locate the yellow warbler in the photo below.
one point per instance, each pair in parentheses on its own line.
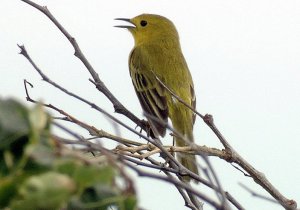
(157,56)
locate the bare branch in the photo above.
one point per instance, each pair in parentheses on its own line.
(176,182)
(137,149)
(182,169)
(94,147)
(257,176)
(119,108)
(91,129)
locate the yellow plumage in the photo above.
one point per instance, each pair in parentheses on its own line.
(157,54)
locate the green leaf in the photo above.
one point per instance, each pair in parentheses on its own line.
(38,123)
(13,122)
(130,203)
(88,175)
(41,154)
(50,190)
(38,118)
(8,189)
(66,166)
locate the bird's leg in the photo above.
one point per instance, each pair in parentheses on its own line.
(172,134)
(173,144)
(146,126)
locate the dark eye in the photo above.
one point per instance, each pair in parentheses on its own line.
(143,23)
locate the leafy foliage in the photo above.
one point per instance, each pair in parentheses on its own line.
(36,173)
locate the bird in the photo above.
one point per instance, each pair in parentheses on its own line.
(156,63)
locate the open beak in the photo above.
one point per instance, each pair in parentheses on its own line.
(124,26)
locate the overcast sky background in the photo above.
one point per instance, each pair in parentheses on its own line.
(244,57)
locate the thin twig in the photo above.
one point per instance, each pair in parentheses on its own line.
(175,181)
(91,129)
(257,176)
(110,158)
(95,147)
(182,170)
(118,106)
(257,195)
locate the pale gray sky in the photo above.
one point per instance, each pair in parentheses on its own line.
(244,57)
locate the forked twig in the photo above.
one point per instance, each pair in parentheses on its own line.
(118,106)
(257,176)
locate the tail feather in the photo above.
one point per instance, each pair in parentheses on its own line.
(187,160)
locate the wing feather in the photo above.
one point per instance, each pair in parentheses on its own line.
(149,91)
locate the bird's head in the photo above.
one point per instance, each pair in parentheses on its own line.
(147,28)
